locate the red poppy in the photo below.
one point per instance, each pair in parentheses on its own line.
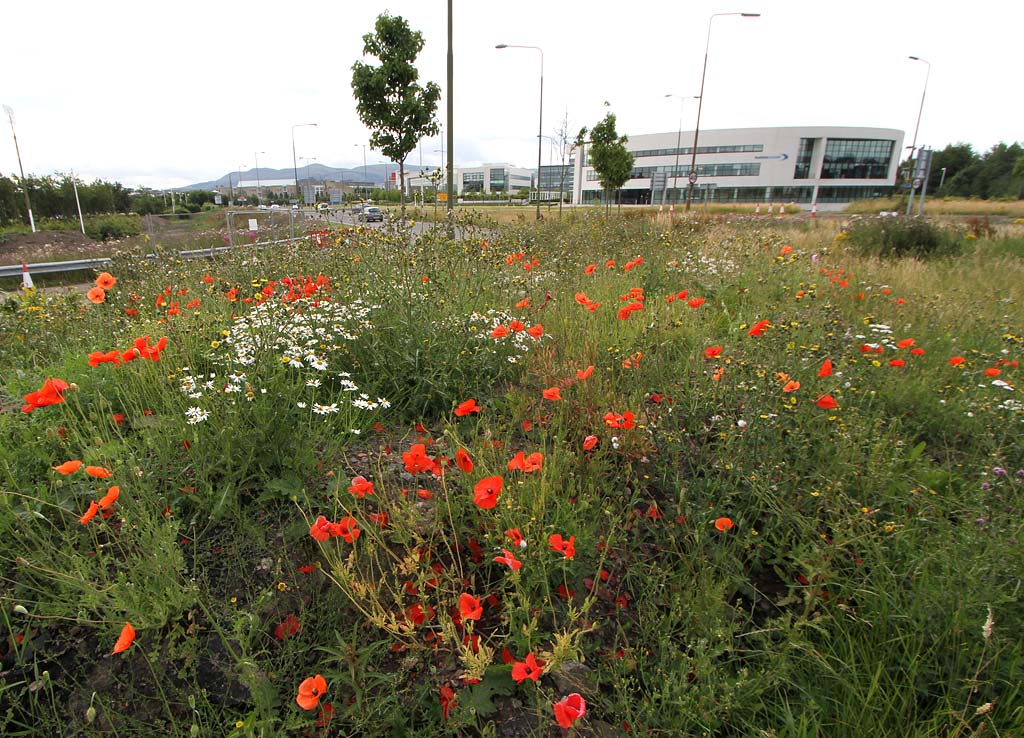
(827,402)
(791,386)
(361,487)
(90,513)
(552,393)
(524,303)
(310,691)
(516,326)
(470,607)
(101,357)
(416,460)
(536,330)
(905,343)
(610,263)
(713,352)
(525,463)
(347,528)
(563,546)
(723,524)
(992,372)
(758,328)
(515,537)
(589,443)
(124,641)
(380,519)
(447,701)
(486,491)
(897,362)
(582,374)
(530,668)
(99,472)
(956,361)
(106,281)
(499,332)
(68,467)
(207,279)
(589,269)
(624,421)
(826,368)
(96,295)
(681,295)
(110,498)
(569,710)
(696,302)
(320,530)
(463,461)
(466,407)
(509,559)
(417,615)
(917,351)
(51,393)
(287,628)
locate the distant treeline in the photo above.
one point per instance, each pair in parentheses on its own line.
(996,174)
(53,198)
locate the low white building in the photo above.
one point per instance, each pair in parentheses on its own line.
(486,178)
(824,165)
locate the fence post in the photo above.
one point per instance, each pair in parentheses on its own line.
(231,235)
(291,222)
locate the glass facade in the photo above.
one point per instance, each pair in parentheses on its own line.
(857,158)
(688,150)
(497,179)
(554,175)
(849,194)
(803,159)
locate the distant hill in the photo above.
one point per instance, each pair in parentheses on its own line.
(374,173)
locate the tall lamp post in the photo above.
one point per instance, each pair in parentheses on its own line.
(24,184)
(913,145)
(696,130)
(295,168)
(540,126)
(255,155)
(241,192)
(679,135)
(364,161)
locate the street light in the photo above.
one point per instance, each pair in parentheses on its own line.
(364,161)
(257,158)
(24,184)
(913,146)
(239,182)
(295,168)
(540,126)
(696,130)
(679,134)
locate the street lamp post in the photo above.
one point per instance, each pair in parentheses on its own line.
(696,130)
(238,183)
(364,161)
(913,145)
(540,126)
(257,158)
(679,135)
(295,168)
(24,184)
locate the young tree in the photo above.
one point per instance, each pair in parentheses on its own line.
(389,100)
(608,155)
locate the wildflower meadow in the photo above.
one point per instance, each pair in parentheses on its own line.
(598,477)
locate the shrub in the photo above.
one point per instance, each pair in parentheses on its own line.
(106,227)
(898,237)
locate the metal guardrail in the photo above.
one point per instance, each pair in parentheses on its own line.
(51,267)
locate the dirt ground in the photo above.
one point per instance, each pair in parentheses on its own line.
(46,246)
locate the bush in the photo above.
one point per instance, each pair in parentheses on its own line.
(898,237)
(107,227)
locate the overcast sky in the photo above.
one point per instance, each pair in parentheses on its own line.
(167,94)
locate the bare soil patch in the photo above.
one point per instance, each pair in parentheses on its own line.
(44,246)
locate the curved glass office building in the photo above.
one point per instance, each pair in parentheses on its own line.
(824,165)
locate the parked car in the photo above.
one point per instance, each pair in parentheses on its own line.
(357,209)
(373,213)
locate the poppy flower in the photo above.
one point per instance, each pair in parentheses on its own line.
(524,303)
(310,691)
(610,263)
(723,524)
(51,393)
(681,295)
(347,528)
(287,628)
(320,530)
(447,701)
(589,268)
(582,374)
(361,487)
(99,472)
(897,362)
(624,421)
(466,407)
(826,368)
(515,537)
(530,668)
(486,491)
(101,357)
(956,361)
(470,607)
(416,460)
(499,332)
(90,513)
(552,393)
(463,461)
(905,343)
(96,295)
(509,559)
(713,352)
(124,641)
(562,546)
(68,467)
(589,443)
(110,498)
(207,279)
(696,302)
(516,326)
(917,351)
(379,519)
(536,331)
(827,402)
(758,328)
(791,386)
(106,281)
(992,372)
(569,710)
(525,463)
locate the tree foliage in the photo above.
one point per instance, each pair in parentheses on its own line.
(608,154)
(998,173)
(389,99)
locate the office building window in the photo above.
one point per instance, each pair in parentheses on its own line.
(857,158)
(803,159)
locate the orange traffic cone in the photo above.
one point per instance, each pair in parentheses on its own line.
(782,210)
(757,210)
(814,210)
(770,207)
(26,278)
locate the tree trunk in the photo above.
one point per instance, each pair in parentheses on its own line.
(401,184)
